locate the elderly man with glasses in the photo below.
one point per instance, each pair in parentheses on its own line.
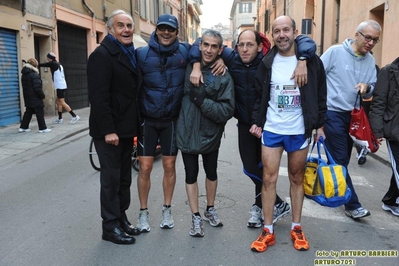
(350,68)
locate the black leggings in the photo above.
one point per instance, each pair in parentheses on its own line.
(191,166)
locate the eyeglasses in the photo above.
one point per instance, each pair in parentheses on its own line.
(368,38)
(249,45)
(166,27)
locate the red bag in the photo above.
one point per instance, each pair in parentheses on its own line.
(360,129)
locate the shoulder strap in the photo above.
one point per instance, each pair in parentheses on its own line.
(183,50)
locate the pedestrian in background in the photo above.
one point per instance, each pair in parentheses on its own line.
(384,120)
(114,82)
(58,76)
(163,64)
(204,112)
(350,68)
(242,63)
(285,115)
(33,97)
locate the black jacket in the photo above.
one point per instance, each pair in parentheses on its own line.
(113,88)
(32,86)
(313,94)
(384,111)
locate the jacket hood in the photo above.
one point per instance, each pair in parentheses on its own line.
(27,68)
(347,44)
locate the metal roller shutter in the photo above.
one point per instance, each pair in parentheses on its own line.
(9,79)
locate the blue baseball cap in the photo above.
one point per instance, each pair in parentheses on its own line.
(168,19)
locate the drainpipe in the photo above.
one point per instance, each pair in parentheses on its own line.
(88,8)
(23,7)
(323,11)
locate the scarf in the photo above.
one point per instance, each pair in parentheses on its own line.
(127,50)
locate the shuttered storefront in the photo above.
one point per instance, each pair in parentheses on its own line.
(9,79)
(72,45)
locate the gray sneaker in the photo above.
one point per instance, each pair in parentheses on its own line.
(280,210)
(58,121)
(255,221)
(212,217)
(74,120)
(357,213)
(142,223)
(393,209)
(196,227)
(167,219)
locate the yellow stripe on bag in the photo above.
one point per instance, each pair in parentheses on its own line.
(329,186)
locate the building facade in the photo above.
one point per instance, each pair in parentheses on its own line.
(330,22)
(71,29)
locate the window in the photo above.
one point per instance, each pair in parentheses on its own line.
(143,9)
(136,5)
(245,8)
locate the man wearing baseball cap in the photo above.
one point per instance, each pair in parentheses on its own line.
(163,63)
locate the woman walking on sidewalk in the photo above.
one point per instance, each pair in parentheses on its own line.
(33,97)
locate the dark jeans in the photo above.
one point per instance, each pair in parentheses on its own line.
(250,149)
(39,111)
(191,166)
(115,180)
(393,191)
(339,144)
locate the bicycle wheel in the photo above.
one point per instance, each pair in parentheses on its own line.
(135,159)
(94,161)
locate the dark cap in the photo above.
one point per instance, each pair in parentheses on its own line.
(168,19)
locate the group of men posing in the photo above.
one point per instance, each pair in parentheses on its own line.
(181,96)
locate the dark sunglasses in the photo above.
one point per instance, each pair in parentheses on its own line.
(166,27)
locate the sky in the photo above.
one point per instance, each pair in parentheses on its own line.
(215,12)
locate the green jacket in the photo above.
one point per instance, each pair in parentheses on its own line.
(199,130)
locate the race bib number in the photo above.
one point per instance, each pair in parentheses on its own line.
(287,98)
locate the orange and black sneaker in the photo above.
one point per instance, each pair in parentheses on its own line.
(265,239)
(299,239)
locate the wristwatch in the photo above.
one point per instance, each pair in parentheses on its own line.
(302,58)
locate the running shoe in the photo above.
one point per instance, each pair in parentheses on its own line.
(299,239)
(265,239)
(197,229)
(167,218)
(143,224)
(357,213)
(58,121)
(74,120)
(212,217)
(280,210)
(24,130)
(393,209)
(255,221)
(47,130)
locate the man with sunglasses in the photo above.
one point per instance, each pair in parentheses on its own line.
(163,64)
(350,68)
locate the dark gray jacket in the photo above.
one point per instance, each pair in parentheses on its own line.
(199,130)
(384,111)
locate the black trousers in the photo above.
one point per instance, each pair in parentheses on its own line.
(250,148)
(29,111)
(115,180)
(392,194)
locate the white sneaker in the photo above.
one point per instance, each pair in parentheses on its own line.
(255,221)
(167,218)
(58,121)
(47,130)
(74,120)
(24,130)
(142,223)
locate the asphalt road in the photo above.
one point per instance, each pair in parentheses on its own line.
(50,215)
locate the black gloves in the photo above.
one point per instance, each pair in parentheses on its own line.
(197,96)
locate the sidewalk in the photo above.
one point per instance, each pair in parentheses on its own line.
(13,143)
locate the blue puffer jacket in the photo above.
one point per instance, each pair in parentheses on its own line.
(163,80)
